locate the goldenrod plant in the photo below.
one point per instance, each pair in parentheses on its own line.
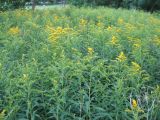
(79,64)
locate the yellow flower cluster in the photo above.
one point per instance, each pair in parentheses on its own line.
(114,40)
(134,103)
(90,50)
(57,33)
(136,67)
(121,57)
(82,22)
(134,107)
(14,31)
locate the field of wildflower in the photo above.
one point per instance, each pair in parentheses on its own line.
(79,64)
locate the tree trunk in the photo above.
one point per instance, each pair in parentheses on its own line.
(33,4)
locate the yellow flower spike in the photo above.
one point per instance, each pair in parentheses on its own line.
(134,103)
(121,57)
(114,40)
(56,33)
(136,67)
(90,51)
(14,31)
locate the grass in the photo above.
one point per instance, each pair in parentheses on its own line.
(79,64)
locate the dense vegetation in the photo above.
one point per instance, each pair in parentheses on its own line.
(79,64)
(149,5)
(11,4)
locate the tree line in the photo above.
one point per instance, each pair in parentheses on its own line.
(149,5)
(15,4)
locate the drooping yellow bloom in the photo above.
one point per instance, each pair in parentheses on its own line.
(136,67)
(14,31)
(121,57)
(83,22)
(134,103)
(90,50)
(114,40)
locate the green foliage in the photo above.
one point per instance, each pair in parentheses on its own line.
(143,4)
(12,4)
(79,64)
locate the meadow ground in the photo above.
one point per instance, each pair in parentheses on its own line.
(79,64)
